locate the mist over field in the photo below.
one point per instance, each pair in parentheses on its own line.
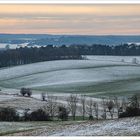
(19,40)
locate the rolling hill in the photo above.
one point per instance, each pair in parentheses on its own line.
(99,75)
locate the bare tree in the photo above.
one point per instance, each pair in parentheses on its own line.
(90,109)
(110,106)
(26,114)
(51,106)
(134,61)
(83,103)
(134,101)
(72,105)
(43,96)
(96,109)
(117,105)
(124,104)
(104,116)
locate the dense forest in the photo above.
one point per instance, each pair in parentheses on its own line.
(26,55)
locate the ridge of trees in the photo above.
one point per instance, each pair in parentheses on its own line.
(27,55)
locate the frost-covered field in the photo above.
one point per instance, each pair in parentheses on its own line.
(12,46)
(20,103)
(96,76)
(113,58)
(122,127)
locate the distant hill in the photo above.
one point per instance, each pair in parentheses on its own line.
(45,39)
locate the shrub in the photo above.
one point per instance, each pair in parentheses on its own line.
(123,114)
(130,112)
(29,92)
(91,117)
(39,115)
(8,114)
(23,91)
(133,108)
(62,113)
(26,91)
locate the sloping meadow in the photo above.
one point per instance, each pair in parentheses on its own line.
(96,75)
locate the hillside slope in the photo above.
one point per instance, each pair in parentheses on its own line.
(99,75)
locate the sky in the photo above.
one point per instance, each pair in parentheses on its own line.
(90,19)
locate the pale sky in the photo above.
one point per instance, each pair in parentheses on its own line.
(70,19)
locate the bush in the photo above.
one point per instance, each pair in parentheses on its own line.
(39,115)
(133,108)
(91,117)
(130,112)
(123,114)
(62,113)
(26,91)
(8,114)
(29,92)
(23,91)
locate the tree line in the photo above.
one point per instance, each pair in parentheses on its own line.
(98,49)
(76,105)
(27,55)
